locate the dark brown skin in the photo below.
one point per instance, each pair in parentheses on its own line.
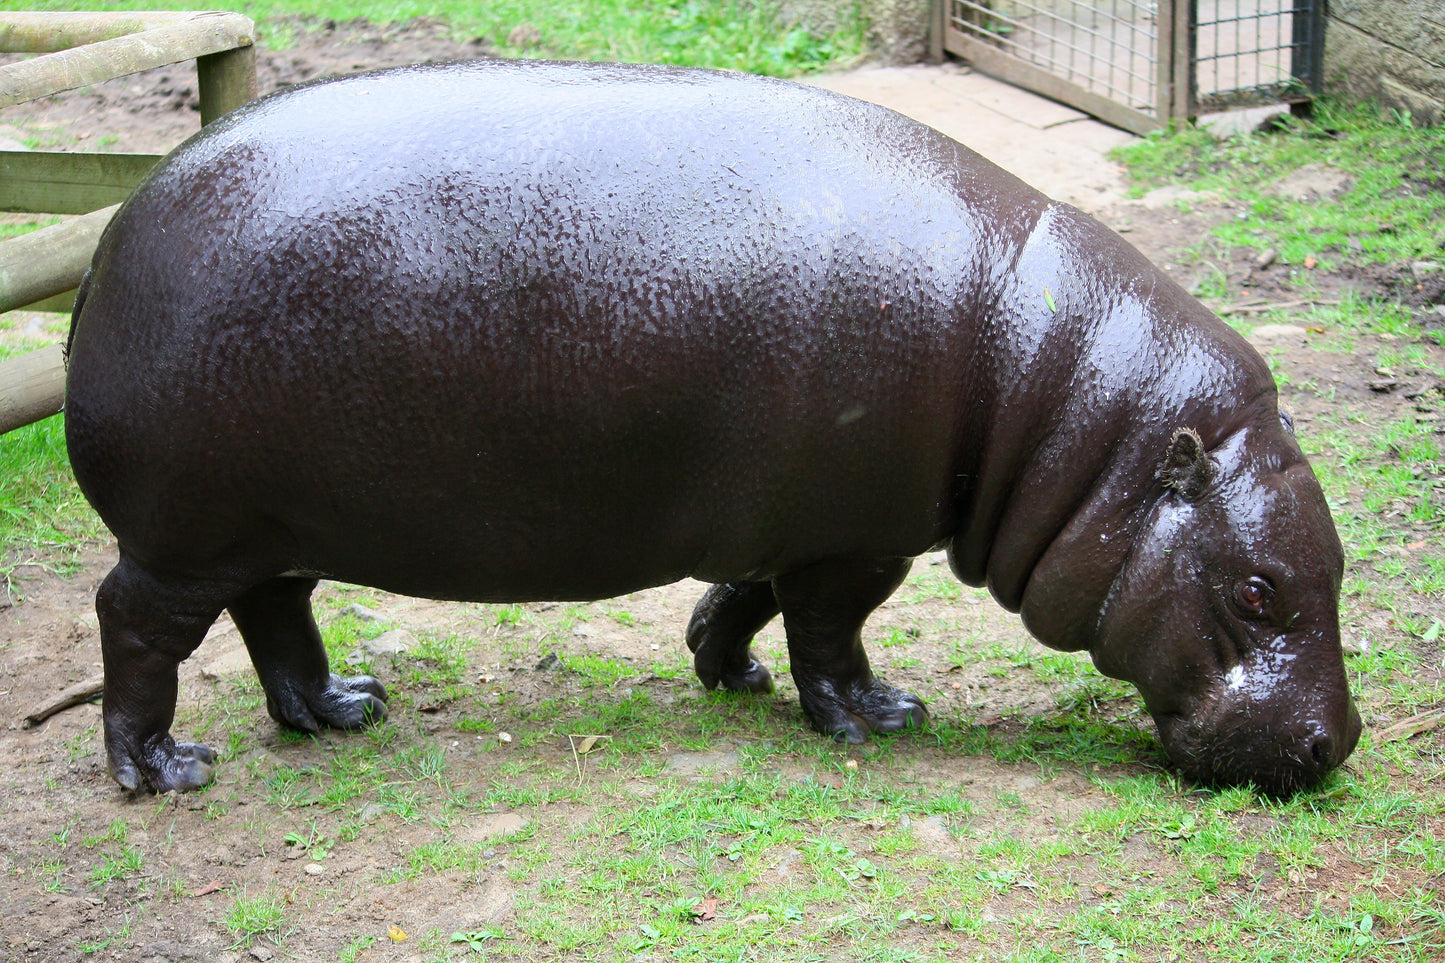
(521,331)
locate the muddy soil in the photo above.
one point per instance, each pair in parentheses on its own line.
(205,847)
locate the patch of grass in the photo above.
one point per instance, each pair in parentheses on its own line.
(1389,213)
(44,519)
(726,34)
(252,917)
(125,864)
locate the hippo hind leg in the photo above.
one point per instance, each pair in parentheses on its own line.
(276,624)
(148,626)
(721,630)
(824,607)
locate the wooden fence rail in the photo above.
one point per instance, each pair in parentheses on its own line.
(77,49)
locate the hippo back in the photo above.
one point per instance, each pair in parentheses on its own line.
(721,316)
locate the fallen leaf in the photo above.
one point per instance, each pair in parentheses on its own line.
(1310,262)
(705,911)
(1103,890)
(396,933)
(587,744)
(214,886)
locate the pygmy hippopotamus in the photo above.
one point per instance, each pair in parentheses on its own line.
(509,331)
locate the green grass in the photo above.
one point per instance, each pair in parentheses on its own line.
(252,917)
(726,34)
(1393,211)
(1056,833)
(44,520)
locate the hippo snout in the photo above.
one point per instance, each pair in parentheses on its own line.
(1238,744)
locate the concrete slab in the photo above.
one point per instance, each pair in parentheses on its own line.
(1055,148)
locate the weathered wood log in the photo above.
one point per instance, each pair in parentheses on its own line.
(198,36)
(49,261)
(32,387)
(225,81)
(28,32)
(64,699)
(63,182)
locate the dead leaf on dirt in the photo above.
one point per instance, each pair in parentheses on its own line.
(396,933)
(1412,726)
(1101,889)
(705,911)
(587,744)
(214,886)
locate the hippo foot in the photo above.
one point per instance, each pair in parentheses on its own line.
(343,703)
(749,675)
(862,709)
(723,624)
(160,764)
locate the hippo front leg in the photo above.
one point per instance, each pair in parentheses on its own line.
(824,607)
(276,624)
(148,626)
(721,630)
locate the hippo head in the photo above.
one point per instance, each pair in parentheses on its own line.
(1225,614)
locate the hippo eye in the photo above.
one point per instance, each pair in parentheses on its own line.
(1253,595)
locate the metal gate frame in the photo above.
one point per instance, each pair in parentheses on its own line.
(974,30)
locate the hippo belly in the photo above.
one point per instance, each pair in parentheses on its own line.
(526,331)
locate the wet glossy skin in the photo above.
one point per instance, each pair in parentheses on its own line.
(528,331)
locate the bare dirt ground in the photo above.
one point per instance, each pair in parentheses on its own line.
(205,846)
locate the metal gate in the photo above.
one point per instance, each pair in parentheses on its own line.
(1140,64)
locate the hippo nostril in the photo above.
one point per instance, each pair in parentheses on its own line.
(1322,750)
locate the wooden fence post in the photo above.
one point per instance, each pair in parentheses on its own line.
(78,49)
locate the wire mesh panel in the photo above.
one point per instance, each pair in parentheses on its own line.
(1248,52)
(1140,64)
(1108,46)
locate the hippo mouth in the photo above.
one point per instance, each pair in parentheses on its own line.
(1226,745)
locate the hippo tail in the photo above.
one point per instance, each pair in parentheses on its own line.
(75,315)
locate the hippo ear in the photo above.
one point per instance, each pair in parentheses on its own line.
(1286,421)
(1187,467)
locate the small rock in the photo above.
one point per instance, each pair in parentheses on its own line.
(1271,332)
(262,953)
(314,869)
(1266,258)
(391,643)
(1421,268)
(1354,646)
(359,612)
(524,35)
(1313,182)
(549,661)
(490,826)
(699,763)
(788,864)
(504,737)
(372,810)
(1171,196)
(1382,385)
(233,662)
